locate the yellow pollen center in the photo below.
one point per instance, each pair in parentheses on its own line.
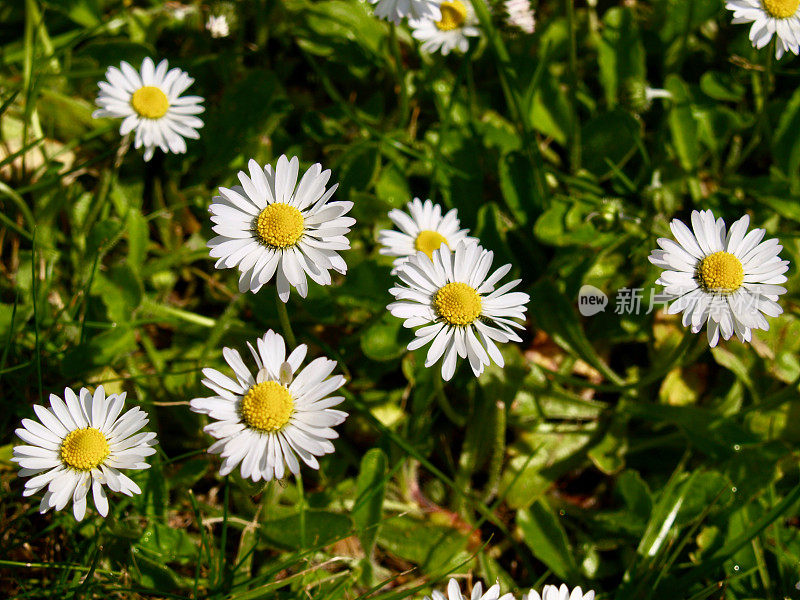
(150,102)
(457,303)
(454,14)
(267,406)
(279,225)
(428,241)
(780,9)
(84,449)
(720,272)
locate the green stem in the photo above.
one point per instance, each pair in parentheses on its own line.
(36,316)
(444,403)
(400,71)
(495,470)
(224,537)
(301,508)
(283,316)
(575,130)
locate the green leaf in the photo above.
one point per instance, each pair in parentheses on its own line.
(322,528)
(543,533)
(138,239)
(550,112)
(786,143)
(620,52)
(102,350)
(682,123)
(609,138)
(721,86)
(518,187)
(166,544)
(430,545)
(383,340)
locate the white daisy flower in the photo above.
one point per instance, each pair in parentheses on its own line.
(723,281)
(150,103)
(425,229)
(452,31)
(271,225)
(265,422)
(551,592)
(454,593)
(82,443)
(396,10)
(770,17)
(461,311)
(218,26)
(520,15)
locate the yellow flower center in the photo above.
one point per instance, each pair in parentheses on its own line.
(279,225)
(720,272)
(267,406)
(454,14)
(780,9)
(457,303)
(428,241)
(150,102)
(84,449)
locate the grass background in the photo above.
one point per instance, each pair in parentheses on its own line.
(616,452)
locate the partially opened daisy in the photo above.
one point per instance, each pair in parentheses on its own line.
(81,443)
(722,280)
(396,10)
(151,105)
(273,226)
(770,17)
(424,229)
(452,31)
(456,306)
(454,593)
(551,592)
(266,421)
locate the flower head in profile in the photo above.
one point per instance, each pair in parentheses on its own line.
(423,228)
(780,18)
(454,593)
(217,26)
(150,103)
(456,306)
(397,10)
(82,443)
(519,14)
(551,592)
(273,226)
(265,422)
(451,31)
(725,281)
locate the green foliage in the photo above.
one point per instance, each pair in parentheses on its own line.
(615,452)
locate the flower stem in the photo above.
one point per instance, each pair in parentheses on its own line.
(574,127)
(401,75)
(286,326)
(301,508)
(498,452)
(444,403)
(224,536)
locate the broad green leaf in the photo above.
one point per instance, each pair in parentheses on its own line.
(322,527)
(682,123)
(620,52)
(544,534)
